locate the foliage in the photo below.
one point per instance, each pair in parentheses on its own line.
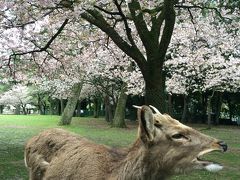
(17,95)
(59,43)
(203,55)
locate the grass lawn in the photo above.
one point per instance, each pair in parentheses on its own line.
(15,130)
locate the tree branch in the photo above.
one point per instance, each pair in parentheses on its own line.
(107,12)
(94,17)
(128,29)
(46,46)
(141,25)
(191,17)
(26,23)
(156,25)
(168,28)
(202,7)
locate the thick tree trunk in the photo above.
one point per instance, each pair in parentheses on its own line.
(185,109)
(71,105)
(119,115)
(155,88)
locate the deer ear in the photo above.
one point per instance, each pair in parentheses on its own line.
(146,124)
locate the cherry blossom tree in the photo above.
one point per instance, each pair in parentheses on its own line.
(145,38)
(200,60)
(154,22)
(18,96)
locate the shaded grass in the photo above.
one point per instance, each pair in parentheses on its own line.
(16,130)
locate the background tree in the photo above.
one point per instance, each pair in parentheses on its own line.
(18,96)
(54,34)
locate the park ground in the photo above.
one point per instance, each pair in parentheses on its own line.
(16,130)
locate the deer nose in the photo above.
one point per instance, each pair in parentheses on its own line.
(223,145)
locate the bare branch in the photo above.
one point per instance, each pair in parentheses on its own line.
(128,29)
(202,7)
(191,18)
(26,23)
(107,12)
(94,17)
(46,46)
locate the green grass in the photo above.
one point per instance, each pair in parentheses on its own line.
(16,130)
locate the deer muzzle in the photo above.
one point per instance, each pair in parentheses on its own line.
(223,145)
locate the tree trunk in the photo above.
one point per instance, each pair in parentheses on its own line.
(96,107)
(55,105)
(24,110)
(78,108)
(218,106)
(17,110)
(58,107)
(71,105)
(44,109)
(185,109)
(108,109)
(155,87)
(203,107)
(1,109)
(170,105)
(209,112)
(119,115)
(40,105)
(230,106)
(51,106)
(63,103)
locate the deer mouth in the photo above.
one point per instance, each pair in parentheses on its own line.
(205,164)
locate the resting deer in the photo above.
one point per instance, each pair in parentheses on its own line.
(164,146)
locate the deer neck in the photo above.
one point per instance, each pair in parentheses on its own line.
(138,165)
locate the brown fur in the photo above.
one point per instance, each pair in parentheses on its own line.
(57,154)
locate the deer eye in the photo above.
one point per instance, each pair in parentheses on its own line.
(158,125)
(178,136)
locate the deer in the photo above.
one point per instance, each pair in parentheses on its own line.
(164,147)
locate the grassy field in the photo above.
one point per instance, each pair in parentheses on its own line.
(15,130)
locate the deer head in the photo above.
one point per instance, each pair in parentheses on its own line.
(175,147)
